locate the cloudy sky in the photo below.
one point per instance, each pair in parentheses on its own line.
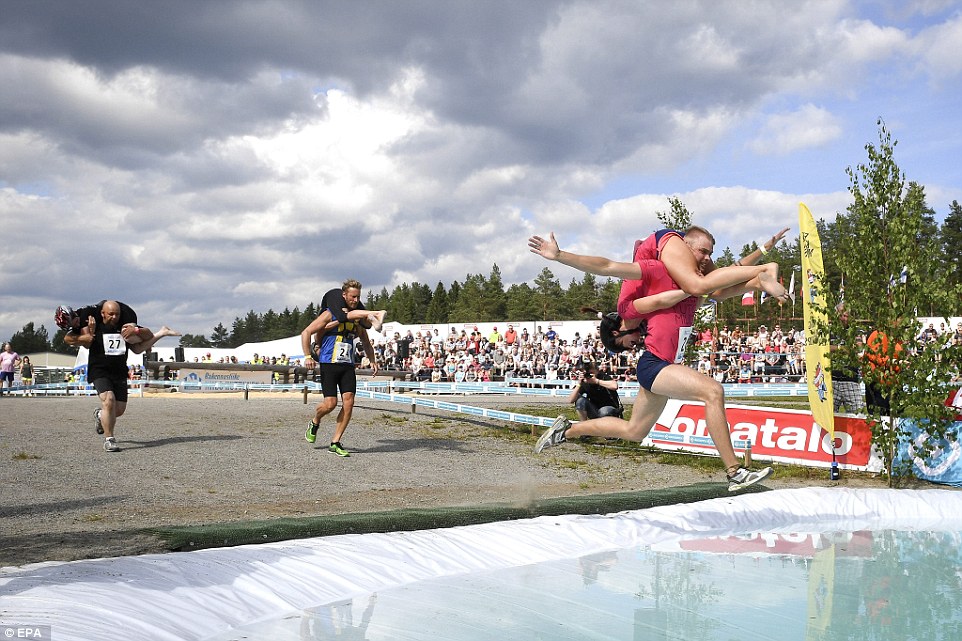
(199,159)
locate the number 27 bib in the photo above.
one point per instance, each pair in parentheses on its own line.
(114,345)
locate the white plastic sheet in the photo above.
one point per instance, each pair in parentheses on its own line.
(195,595)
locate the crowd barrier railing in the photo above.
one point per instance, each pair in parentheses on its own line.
(511,386)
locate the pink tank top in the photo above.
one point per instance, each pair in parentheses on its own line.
(668,329)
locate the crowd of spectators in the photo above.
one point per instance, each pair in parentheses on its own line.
(943,334)
(730,356)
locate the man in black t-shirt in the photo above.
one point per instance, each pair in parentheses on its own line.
(108,330)
(596,395)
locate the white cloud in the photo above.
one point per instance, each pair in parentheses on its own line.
(938,50)
(203,179)
(807,127)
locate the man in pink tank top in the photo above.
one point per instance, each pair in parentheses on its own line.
(650,293)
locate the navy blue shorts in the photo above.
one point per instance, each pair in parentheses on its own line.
(649,366)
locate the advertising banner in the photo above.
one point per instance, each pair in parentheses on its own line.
(817,370)
(944,462)
(787,436)
(205,379)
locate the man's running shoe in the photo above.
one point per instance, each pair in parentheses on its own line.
(311,434)
(100,427)
(337,449)
(554,435)
(110,445)
(743,478)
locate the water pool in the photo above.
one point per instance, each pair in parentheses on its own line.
(886,584)
(789,564)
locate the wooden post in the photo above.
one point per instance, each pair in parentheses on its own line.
(305,395)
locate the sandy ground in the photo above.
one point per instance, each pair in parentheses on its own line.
(192,459)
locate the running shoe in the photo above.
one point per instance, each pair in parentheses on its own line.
(110,445)
(337,449)
(554,435)
(311,434)
(100,427)
(743,478)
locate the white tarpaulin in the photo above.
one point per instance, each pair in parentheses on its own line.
(196,595)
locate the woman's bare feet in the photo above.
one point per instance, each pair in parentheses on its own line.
(773,287)
(377,319)
(166,331)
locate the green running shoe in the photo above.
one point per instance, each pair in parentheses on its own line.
(311,434)
(337,449)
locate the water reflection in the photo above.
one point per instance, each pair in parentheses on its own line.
(807,586)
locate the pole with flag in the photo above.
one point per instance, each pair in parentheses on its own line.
(817,373)
(791,292)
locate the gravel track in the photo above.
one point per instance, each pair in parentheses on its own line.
(191,459)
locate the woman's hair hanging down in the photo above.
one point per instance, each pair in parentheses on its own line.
(610,323)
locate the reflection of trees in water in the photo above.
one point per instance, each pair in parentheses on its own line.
(911,589)
(678,592)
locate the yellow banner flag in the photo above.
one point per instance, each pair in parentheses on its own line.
(821,593)
(816,323)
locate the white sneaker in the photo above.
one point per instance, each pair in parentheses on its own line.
(110,445)
(743,478)
(554,435)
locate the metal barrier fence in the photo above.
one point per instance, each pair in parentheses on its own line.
(512,386)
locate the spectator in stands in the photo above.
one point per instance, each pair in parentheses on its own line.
(704,365)
(551,334)
(404,348)
(722,368)
(758,364)
(796,364)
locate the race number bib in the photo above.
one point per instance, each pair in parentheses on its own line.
(343,352)
(684,335)
(114,345)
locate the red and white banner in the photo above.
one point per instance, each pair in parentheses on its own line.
(800,544)
(787,436)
